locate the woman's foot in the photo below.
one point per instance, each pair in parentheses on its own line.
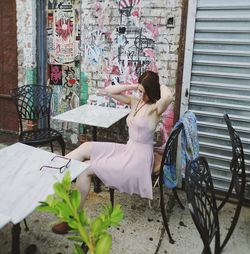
(61,228)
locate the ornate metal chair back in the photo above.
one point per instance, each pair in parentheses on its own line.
(238,181)
(202,203)
(32,103)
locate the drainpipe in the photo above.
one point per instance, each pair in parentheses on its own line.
(178,87)
(41,41)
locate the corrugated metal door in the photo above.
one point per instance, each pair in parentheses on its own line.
(217,79)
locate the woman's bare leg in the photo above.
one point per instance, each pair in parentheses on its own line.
(81,153)
(83,181)
(83,184)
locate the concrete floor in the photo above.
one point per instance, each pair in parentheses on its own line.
(140,232)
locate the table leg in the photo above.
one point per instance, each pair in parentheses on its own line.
(96,180)
(16,230)
(94,133)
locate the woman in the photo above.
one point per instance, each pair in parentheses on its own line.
(126,167)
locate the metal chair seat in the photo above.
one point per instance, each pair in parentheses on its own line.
(39,136)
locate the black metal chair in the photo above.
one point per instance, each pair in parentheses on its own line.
(197,197)
(202,203)
(33,103)
(238,180)
(169,156)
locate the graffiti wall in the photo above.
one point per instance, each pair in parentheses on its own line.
(63,68)
(93,44)
(122,39)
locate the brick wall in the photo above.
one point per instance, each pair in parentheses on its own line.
(105,56)
(104,18)
(107,53)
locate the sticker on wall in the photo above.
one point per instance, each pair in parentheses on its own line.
(60,4)
(69,76)
(52,4)
(64,37)
(56,75)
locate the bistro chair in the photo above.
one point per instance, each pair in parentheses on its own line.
(169,160)
(33,103)
(238,180)
(202,203)
(199,203)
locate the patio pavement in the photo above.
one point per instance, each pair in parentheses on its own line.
(140,232)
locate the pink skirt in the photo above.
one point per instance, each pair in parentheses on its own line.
(125,167)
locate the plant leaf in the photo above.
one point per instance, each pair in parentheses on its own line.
(104,244)
(116,215)
(72,223)
(64,210)
(66,182)
(60,191)
(96,226)
(75,199)
(78,249)
(47,209)
(84,219)
(50,199)
(75,238)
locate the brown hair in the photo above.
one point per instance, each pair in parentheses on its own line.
(150,82)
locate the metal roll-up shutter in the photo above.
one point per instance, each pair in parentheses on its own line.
(220,82)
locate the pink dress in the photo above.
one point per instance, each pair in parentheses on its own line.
(127,167)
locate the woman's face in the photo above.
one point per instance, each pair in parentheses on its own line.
(142,95)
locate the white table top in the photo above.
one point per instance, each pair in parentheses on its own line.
(23,184)
(93,115)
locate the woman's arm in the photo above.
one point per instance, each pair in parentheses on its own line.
(165,100)
(116,92)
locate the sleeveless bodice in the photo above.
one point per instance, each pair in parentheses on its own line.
(139,130)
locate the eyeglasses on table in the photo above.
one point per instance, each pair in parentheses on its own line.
(62,168)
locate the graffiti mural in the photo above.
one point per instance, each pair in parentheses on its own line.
(63,36)
(123,53)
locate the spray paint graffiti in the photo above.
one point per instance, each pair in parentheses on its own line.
(118,55)
(126,7)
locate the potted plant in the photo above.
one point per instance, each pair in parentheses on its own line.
(92,233)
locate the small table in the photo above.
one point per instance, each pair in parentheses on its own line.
(95,116)
(23,184)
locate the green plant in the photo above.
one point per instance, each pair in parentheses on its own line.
(65,205)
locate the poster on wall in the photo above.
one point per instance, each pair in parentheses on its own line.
(56,75)
(64,37)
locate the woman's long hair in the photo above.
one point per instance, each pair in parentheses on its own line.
(150,82)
